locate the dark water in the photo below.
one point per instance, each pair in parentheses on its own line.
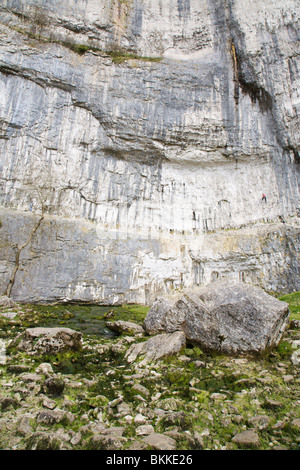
(89,319)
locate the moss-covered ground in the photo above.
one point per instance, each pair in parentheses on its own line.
(200,400)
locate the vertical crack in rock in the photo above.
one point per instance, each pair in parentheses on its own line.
(148,158)
(20,248)
(247,81)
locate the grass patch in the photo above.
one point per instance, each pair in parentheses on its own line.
(293,300)
(284,350)
(79,48)
(117,54)
(120,56)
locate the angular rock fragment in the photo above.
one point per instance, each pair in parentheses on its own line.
(247,439)
(157,347)
(160,442)
(121,326)
(53,386)
(6,301)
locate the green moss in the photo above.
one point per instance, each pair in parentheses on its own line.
(41,441)
(293,300)
(284,349)
(89,319)
(247,386)
(120,55)
(80,48)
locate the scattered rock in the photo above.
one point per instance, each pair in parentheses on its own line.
(186,438)
(17,368)
(42,441)
(259,421)
(157,347)
(294,324)
(141,389)
(177,418)
(7,301)
(7,402)
(53,386)
(76,439)
(295,358)
(296,423)
(246,439)
(160,442)
(149,401)
(27,377)
(144,430)
(47,340)
(24,427)
(45,368)
(200,364)
(138,445)
(9,315)
(50,417)
(50,404)
(169,404)
(121,326)
(46,417)
(233,318)
(109,439)
(273,404)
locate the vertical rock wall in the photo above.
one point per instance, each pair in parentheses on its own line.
(145,134)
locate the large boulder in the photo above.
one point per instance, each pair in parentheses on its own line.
(228,317)
(47,340)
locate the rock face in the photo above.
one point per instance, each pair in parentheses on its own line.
(137,139)
(48,340)
(230,318)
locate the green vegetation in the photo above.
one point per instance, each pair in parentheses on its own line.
(211,396)
(89,319)
(119,56)
(293,300)
(78,48)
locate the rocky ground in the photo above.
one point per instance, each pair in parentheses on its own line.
(95,399)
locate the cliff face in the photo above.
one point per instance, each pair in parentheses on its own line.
(136,140)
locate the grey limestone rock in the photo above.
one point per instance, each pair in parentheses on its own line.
(247,439)
(121,326)
(137,139)
(158,441)
(234,318)
(53,386)
(47,340)
(157,347)
(6,301)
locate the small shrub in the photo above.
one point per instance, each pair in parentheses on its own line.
(80,48)
(118,55)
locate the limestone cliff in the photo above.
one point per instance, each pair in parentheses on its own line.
(136,140)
